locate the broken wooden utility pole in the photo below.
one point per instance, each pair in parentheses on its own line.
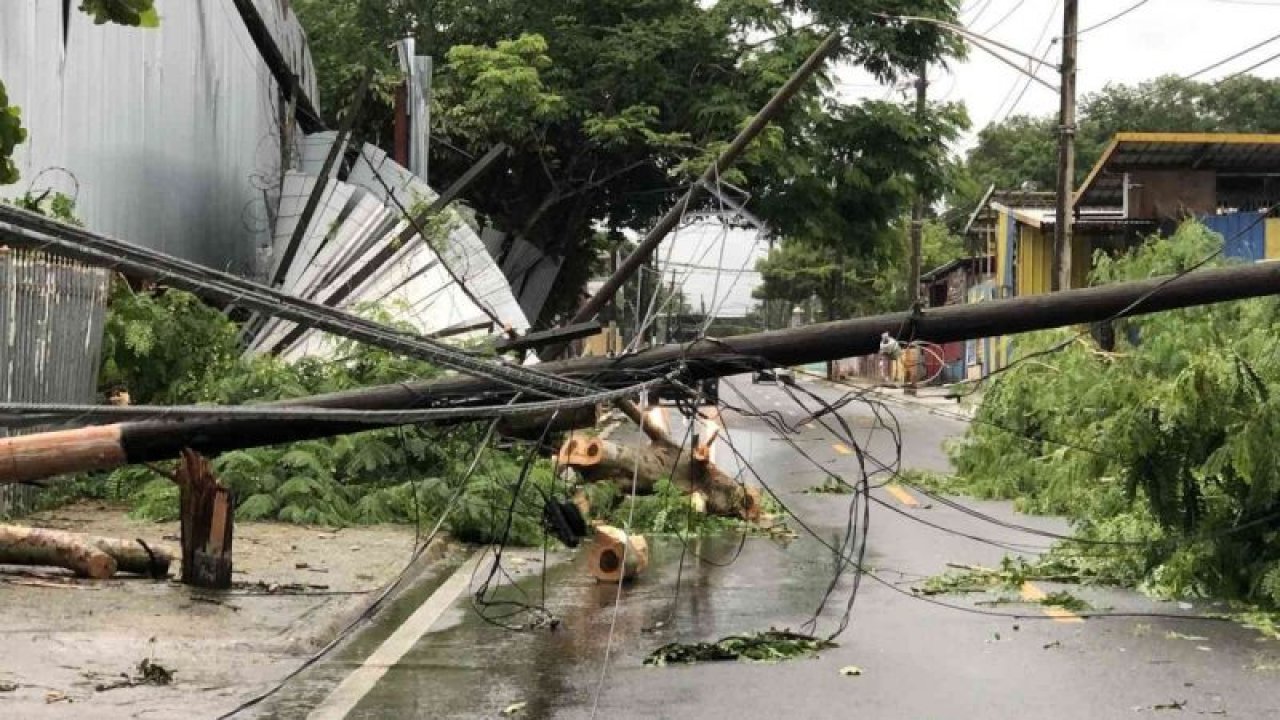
(1064,214)
(32,457)
(208,519)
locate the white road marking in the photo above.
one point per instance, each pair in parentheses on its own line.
(347,695)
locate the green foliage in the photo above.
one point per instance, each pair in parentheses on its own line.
(12,134)
(1012,574)
(611,106)
(768,646)
(51,204)
(165,347)
(1022,148)
(135,13)
(1169,441)
(498,91)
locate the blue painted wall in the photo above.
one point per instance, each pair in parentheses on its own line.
(1245,234)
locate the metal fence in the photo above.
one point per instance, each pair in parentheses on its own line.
(52,313)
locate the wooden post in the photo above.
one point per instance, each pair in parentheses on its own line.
(208,519)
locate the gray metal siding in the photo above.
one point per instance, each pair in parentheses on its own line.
(52,313)
(170,134)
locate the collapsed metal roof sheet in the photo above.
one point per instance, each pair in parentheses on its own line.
(352,257)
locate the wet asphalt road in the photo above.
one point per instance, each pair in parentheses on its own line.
(918,660)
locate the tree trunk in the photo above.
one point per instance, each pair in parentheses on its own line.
(132,557)
(601,460)
(35,546)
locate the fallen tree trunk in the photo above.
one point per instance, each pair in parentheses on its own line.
(53,548)
(132,557)
(600,460)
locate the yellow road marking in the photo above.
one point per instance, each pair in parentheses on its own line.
(842,449)
(902,496)
(1031,593)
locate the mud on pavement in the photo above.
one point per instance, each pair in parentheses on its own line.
(295,588)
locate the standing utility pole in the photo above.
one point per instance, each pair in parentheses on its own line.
(1066,151)
(917,210)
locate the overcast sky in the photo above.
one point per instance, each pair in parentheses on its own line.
(1159,37)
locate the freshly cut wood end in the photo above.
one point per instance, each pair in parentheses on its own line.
(582,451)
(616,556)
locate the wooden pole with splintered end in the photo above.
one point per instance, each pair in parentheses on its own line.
(617,556)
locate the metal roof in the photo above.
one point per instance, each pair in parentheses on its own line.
(1220,152)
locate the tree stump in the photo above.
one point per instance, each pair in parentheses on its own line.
(208,518)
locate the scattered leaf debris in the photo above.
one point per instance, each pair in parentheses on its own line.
(149,673)
(770,646)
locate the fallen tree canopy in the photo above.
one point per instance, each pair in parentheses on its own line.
(1168,443)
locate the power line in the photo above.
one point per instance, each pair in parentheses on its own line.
(1017,6)
(1229,58)
(1113,18)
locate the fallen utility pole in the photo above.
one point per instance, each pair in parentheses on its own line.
(33,457)
(23,228)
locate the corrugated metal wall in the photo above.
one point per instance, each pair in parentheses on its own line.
(51,314)
(1245,234)
(170,133)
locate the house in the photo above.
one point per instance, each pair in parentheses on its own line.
(1223,179)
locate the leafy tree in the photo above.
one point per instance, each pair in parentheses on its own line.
(12,134)
(1165,446)
(611,105)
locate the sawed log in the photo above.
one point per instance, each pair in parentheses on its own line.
(75,552)
(599,460)
(53,548)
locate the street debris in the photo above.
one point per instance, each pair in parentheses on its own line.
(830,486)
(1065,600)
(851,671)
(616,556)
(56,696)
(149,673)
(1174,635)
(87,556)
(8,686)
(514,708)
(770,646)
(1172,705)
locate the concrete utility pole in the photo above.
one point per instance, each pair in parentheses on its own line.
(32,457)
(1066,150)
(917,210)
